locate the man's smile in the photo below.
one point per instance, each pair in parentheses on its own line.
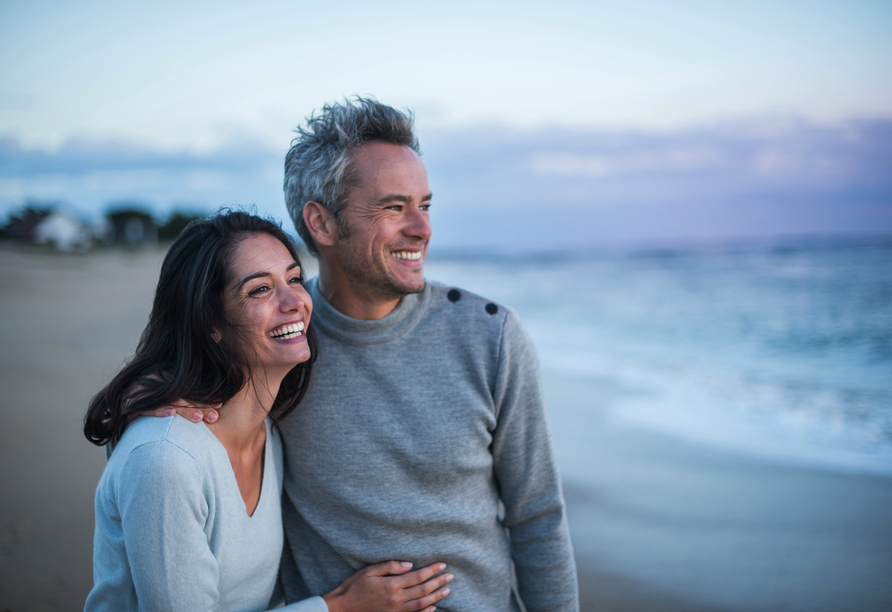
(411,255)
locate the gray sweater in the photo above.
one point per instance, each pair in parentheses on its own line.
(172,532)
(414,429)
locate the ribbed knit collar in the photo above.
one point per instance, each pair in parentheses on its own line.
(358,332)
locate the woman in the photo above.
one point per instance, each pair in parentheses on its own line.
(188,515)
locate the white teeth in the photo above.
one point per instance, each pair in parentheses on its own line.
(407,255)
(286,332)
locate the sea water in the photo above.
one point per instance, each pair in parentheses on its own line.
(781,350)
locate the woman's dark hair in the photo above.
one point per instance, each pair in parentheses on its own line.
(177,358)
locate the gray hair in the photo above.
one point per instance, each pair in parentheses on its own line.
(318,166)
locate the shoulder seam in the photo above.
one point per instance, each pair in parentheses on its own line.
(164,441)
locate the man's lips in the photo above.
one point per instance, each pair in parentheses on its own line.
(407,255)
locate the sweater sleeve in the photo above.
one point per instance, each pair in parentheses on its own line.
(529,485)
(163,503)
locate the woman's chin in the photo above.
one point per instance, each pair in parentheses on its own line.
(291,358)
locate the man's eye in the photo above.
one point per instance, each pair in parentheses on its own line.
(425,207)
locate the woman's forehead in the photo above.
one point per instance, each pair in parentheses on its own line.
(261,252)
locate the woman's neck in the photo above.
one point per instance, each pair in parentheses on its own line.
(240,426)
(241,430)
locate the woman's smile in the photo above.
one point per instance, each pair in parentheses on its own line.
(288,331)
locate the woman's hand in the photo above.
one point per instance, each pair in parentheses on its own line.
(386,587)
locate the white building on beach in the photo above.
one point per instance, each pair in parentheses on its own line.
(63,232)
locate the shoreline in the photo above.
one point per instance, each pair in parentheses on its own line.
(662,524)
(657,523)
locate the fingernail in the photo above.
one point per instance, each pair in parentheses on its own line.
(212,416)
(197,417)
(441,566)
(170,411)
(405,564)
(449,577)
(446,591)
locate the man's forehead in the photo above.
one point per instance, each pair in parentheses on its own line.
(389,171)
(374,154)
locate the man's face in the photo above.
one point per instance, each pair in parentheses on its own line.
(385,224)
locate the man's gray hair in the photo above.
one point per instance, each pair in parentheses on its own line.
(318,166)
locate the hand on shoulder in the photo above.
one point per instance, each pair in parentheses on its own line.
(191,412)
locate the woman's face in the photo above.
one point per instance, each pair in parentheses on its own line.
(267,303)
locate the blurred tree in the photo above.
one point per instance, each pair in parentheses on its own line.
(175,223)
(20,224)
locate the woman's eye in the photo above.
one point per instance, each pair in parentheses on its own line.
(258,290)
(295,279)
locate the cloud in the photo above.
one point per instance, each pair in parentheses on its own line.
(503,189)
(91,174)
(675,159)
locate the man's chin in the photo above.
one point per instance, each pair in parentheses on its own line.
(404,287)
(410,289)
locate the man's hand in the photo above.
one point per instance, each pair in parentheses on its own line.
(192,412)
(386,587)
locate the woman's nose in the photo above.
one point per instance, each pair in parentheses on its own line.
(293,299)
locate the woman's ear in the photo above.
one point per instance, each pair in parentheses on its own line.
(321,223)
(216,336)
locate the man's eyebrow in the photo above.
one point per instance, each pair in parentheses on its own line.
(401,198)
(262,274)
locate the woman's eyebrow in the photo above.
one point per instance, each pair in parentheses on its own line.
(262,274)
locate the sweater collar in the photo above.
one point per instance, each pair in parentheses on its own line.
(358,332)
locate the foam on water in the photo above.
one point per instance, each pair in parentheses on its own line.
(782,351)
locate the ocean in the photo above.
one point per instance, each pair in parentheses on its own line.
(779,349)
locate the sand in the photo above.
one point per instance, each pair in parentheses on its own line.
(657,524)
(654,518)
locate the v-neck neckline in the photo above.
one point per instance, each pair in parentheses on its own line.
(264,468)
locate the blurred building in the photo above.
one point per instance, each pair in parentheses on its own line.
(131,227)
(62,232)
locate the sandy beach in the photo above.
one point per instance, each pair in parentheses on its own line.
(657,523)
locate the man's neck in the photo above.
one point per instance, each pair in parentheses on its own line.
(346,298)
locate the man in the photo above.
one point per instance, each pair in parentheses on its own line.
(423,435)
(426,410)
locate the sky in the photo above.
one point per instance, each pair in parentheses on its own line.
(209,80)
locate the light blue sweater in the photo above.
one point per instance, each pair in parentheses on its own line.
(172,532)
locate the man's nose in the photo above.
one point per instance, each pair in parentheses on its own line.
(419,225)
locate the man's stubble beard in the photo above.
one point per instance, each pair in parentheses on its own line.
(363,275)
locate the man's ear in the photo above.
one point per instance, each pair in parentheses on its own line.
(321,223)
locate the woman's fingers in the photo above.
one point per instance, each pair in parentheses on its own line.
(422,595)
(387,568)
(420,575)
(425,603)
(407,591)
